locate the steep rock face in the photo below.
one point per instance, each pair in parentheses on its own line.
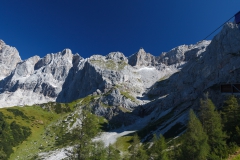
(36,80)
(117,57)
(177,56)
(100,73)
(153,69)
(228,41)
(81,83)
(141,58)
(9,57)
(174,96)
(183,53)
(115,98)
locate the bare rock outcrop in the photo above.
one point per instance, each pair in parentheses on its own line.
(217,64)
(141,58)
(9,57)
(36,80)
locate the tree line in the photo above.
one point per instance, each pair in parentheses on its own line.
(211,134)
(214,134)
(11,134)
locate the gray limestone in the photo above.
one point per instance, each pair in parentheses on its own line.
(9,57)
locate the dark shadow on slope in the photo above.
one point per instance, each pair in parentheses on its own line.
(164,94)
(164,83)
(80,83)
(139,119)
(4,84)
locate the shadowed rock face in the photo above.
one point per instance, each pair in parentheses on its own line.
(218,64)
(141,58)
(9,57)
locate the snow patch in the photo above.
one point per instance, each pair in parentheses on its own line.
(22,97)
(111,137)
(57,154)
(146,68)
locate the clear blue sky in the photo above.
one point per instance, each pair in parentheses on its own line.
(87,27)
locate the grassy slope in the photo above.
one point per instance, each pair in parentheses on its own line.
(41,120)
(235,156)
(109,64)
(46,126)
(127,95)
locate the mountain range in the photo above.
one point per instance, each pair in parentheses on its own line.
(156,91)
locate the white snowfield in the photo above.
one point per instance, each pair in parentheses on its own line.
(22,97)
(147,68)
(57,154)
(109,138)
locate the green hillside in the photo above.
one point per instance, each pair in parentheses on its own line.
(29,130)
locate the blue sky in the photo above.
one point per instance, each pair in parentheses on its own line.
(87,27)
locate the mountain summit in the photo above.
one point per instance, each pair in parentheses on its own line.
(9,57)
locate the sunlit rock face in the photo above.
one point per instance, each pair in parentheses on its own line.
(64,77)
(36,80)
(9,57)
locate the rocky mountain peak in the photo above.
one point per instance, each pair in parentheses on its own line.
(2,43)
(117,56)
(141,58)
(227,41)
(67,52)
(183,53)
(141,51)
(25,68)
(9,57)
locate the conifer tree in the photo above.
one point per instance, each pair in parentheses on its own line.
(135,146)
(231,119)
(3,155)
(136,150)
(195,146)
(159,148)
(175,150)
(112,153)
(88,129)
(142,154)
(211,121)
(99,152)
